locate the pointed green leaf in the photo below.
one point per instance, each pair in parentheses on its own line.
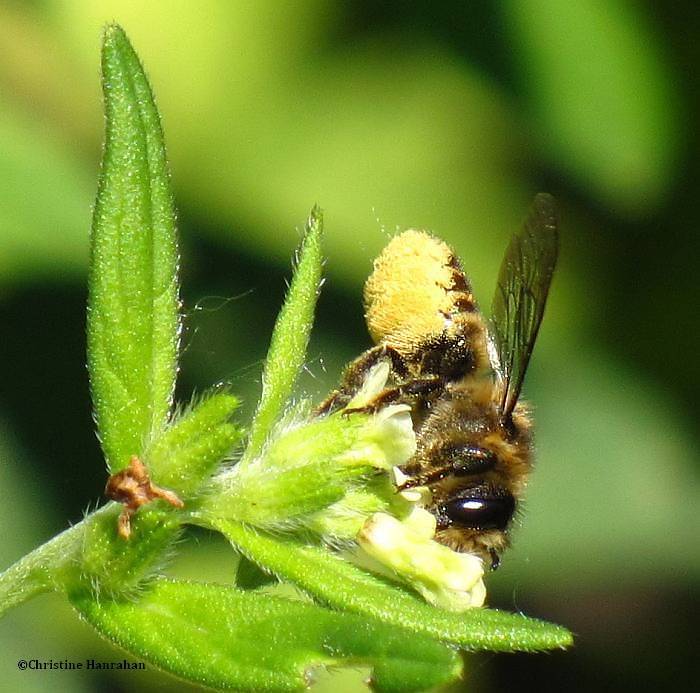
(190,449)
(290,337)
(339,584)
(133,319)
(226,638)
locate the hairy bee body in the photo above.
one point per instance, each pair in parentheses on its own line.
(476,469)
(461,376)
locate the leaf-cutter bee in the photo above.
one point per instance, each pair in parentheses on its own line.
(461,375)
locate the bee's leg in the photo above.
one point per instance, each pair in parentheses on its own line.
(355,374)
(428,477)
(336,400)
(408,390)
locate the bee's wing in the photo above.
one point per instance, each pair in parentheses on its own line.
(521,294)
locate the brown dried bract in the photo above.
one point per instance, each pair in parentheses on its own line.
(133,487)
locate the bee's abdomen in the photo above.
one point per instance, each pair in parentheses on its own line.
(417,289)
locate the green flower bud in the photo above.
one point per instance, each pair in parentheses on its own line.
(328,474)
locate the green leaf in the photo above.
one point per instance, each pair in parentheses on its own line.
(133,318)
(189,450)
(290,337)
(226,638)
(339,584)
(601,95)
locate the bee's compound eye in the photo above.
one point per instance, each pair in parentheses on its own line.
(480,512)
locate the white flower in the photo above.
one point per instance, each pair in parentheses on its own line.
(373,384)
(388,439)
(408,551)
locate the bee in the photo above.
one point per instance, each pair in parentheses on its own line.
(461,374)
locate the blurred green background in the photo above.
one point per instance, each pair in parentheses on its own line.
(447,116)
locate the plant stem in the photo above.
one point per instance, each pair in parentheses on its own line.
(45,568)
